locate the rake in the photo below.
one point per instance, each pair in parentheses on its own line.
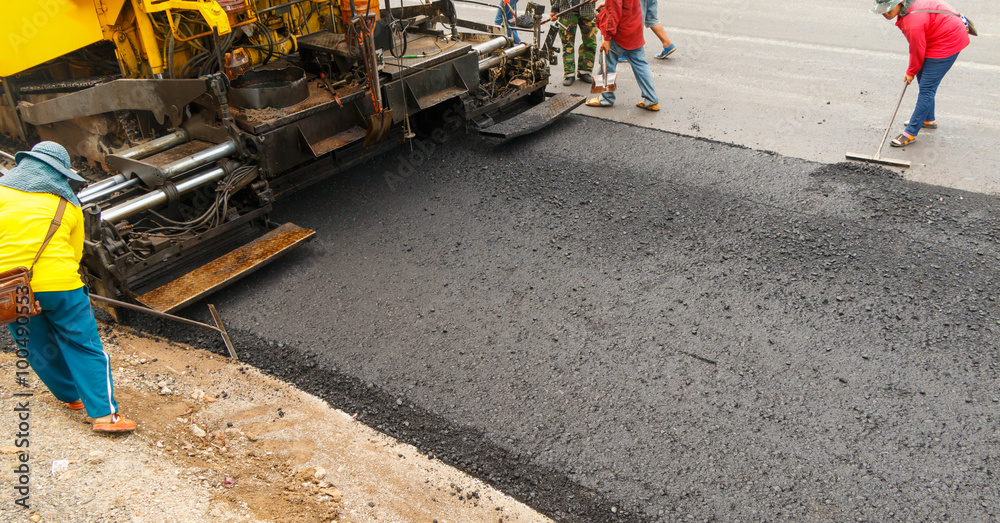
(878,154)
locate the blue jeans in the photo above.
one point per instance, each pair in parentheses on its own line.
(65,350)
(649,17)
(928,78)
(643,76)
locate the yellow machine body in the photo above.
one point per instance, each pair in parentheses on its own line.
(53,41)
(209,10)
(41,30)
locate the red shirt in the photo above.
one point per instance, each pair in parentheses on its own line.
(932,35)
(621,22)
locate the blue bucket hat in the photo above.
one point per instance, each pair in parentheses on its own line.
(44,169)
(54,155)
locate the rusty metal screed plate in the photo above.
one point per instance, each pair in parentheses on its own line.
(535,118)
(226,269)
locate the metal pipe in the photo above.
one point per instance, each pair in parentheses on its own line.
(494,61)
(219,327)
(94,196)
(138,152)
(9,157)
(120,182)
(159,196)
(199,159)
(484,4)
(490,45)
(155,146)
(537,34)
(101,185)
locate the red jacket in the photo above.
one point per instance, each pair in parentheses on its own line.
(621,22)
(932,35)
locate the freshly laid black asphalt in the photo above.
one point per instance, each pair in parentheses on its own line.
(619,324)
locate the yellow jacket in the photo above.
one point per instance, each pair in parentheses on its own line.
(24,220)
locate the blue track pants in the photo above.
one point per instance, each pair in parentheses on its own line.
(65,350)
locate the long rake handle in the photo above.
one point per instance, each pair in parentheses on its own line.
(219,328)
(560,13)
(878,153)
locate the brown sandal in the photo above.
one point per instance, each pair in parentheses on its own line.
(902,140)
(596,102)
(654,107)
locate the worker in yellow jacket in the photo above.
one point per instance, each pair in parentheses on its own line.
(64,348)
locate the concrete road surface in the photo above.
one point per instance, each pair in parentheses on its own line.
(814,80)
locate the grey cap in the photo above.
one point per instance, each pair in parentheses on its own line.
(54,155)
(884,6)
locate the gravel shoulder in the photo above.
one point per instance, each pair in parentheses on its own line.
(220,441)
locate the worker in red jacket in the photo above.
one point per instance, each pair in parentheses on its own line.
(936,33)
(620,22)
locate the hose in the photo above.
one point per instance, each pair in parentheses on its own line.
(170,57)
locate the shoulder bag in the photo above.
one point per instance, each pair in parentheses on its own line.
(969,26)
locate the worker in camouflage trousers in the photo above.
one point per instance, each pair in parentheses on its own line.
(582,17)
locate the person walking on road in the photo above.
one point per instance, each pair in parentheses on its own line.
(620,22)
(64,347)
(650,19)
(507,12)
(935,40)
(582,16)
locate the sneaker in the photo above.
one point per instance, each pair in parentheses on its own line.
(585,77)
(76,405)
(622,60)
(667,51)
(568,81)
